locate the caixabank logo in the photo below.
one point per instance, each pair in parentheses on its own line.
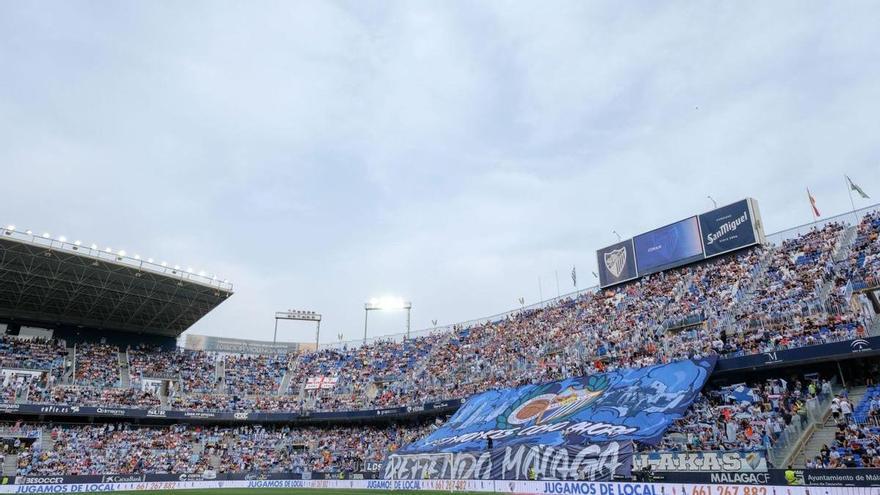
(122,478)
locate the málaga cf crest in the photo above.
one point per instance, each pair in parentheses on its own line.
(615,261)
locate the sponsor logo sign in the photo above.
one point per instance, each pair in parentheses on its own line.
(122,478)
(728,228)
(752,461)
(110,412)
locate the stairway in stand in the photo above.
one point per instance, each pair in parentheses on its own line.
(824,435)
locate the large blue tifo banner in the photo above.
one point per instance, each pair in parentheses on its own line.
(578,428)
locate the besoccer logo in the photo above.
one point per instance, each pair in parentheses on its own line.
(615,261)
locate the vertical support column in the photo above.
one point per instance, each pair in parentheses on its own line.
(366,313)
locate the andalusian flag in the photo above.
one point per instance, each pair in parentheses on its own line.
(813,203)
(854,187)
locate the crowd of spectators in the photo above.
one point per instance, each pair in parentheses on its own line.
(743,416)
(761,299)
(194,370)
(125,448)
(249,374)
(856,441)
(97,365)
(78,395)
(32,353)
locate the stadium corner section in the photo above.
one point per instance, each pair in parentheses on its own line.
(580,428)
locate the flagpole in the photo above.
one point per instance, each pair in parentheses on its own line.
(849,190)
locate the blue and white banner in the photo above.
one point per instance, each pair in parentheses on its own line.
(629,404)
(739,393)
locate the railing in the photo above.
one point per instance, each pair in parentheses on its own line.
(13,432)
(846,242)
(789,439)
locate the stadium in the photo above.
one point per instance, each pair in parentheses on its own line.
(366,193)
(710,353)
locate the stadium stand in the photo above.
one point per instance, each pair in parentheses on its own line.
(125,448)
(809,289)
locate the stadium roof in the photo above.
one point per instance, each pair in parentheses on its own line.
(56,282)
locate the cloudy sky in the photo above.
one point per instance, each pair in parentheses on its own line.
(320,153)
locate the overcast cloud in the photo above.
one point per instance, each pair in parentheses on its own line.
(320,153)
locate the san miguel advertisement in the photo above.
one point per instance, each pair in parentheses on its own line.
(578,428)
(728,228)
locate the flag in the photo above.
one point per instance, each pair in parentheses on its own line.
(574,276)
(854,187)
(813,203)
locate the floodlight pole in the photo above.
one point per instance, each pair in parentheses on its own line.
(317,335)
(366,315)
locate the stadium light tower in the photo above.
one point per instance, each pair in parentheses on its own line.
(297,315)
(385,304)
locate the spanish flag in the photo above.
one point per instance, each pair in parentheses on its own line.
(813,203)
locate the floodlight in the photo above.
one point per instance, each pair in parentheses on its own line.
(384,304)
(108,250)
(62,238)
(164,263)
(77,243)
(149,260)
(137,256)
(45,235)
(94,246)
(122,252)
(10,228)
